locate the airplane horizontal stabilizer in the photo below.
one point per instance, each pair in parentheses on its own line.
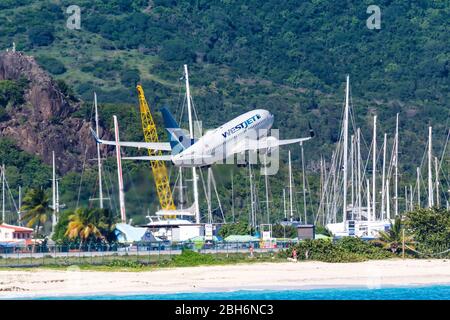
(151,158)
(162,146)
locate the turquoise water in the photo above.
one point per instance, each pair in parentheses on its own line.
(441,292)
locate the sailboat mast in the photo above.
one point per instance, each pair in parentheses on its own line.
(252,209)
(411,200)
(232,196)
(181,187)
(304,183)
(57,197)
(191,135)
(436,176)
(374,167)
(396,167)
(430,155)
(406,198)
(99,161)
(418,186)
(383,179)
(290,188)
(3,193)
(266,181)
(388,201)
(53,192)
(369,213)
(209,196)
(358,146)
(119,173)
(19,212)
(352,179)
(344,208)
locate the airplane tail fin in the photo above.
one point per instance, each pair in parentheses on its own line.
(179,139)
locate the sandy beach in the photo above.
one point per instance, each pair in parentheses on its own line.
(289,275)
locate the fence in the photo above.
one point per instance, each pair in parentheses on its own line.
(143,253)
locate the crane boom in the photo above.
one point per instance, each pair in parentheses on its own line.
(159,168)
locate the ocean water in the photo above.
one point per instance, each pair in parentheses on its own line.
(437,292)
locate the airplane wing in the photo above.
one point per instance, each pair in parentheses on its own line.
(167,157)
(269,142)
(163,146)
(265,143)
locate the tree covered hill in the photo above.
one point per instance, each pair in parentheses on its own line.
(290,57)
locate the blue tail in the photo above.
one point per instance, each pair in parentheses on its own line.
(179,139)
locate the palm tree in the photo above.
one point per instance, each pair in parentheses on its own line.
(83,224)
(36,206)
(393,238)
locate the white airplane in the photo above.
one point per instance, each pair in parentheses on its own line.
(247,132)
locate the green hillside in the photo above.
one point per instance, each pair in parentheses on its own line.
(290,57)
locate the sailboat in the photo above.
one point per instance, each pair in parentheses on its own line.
(361,216)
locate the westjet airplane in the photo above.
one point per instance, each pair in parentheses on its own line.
(247,132)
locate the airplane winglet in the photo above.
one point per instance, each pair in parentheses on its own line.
(97,139)
(311,131)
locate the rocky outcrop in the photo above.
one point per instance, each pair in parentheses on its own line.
(44,123)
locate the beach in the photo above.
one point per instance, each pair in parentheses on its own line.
(274,276)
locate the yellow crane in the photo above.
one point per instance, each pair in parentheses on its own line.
(159,168)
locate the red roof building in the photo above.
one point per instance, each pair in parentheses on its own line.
(10,233)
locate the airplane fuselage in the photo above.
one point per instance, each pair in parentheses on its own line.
(217,144)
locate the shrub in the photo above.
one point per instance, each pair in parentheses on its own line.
(189,258)
(130,78)
(51,64)
(344,250)
(41,35)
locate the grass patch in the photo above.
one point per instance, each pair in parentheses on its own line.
(187,258)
